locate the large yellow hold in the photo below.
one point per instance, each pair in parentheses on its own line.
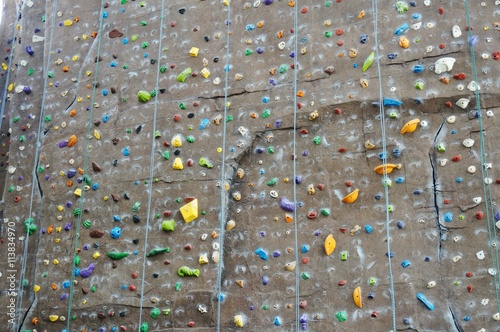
(190,211)
(178,165)
(356,296)
(352,197)
(238,320)
(410,126)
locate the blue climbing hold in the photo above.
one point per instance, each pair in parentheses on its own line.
(126,152)
(95,186)
(277,321)
(204,123)
(392,102)
(116,218)
(422,299)
(104,92)
(405,263)
(392,56)
(400,180)
(418,69)
(401,29)
(305,248)
(125,41)
(448,217)
(368,229)
(116,232)
(105,118)
(261,253)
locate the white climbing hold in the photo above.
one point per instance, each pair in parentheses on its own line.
(429,49)
(496,316)
(416,26)
(451,119)
(468,142)
(477,200)
(471,169)
(443,65)
(273,194)
(492,271)
(423,123)
(456,258)
(443,161)
(485,301)
(488,180)
(19,88)
(11,169)
(473,86)
(460,87)
(23,63)
(427,3)
(462,103)
(243,131)
(485,56)
(455,31)
(480,255)
(430,25)
(281,45)
(37,39)
(498,224)
(489,113)
(215,257)
(431,284)
(30,3)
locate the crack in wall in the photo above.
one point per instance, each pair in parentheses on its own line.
(455,321)
(435,190)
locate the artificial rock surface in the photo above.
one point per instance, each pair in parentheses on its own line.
(248,114)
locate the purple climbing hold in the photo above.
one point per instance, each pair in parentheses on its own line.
(497,215)
(70,173)
(268,2)
(286,205)
(67,227)
(63,144)
(85,273)
(27,90)
(265,280)
(29,50)
(64,296)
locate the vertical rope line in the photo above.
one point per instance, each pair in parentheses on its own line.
(35,160)
(223,197)
(488,199)
(85,166)
(384,161)
(151,163)
(295,221)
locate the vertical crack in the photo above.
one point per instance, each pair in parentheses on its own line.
(435,189)
(455,322)
(20,326)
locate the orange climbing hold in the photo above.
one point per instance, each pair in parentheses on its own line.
(72,113)
(300,93)
(72,140)
(65,69)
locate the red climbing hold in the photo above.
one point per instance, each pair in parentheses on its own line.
(456,158)
(479,215)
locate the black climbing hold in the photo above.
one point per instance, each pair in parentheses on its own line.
(206,38)
(115,162)
(138,129)
(190,115)
(216,59)
(122,313)
(182,11)
(135,241)
(126,196)
(153,61)
(136,219)
(156,275)
(162,90)
(177,152)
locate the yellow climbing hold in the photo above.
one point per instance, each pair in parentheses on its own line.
(55,261)
(356,296)
(190,211)
(226,2)
(78,192)
(410,126)
(330,244)
(178,164)
(205,72)
(75,57)
(386,168)
(68,23)
(203,258)
(352,197)
(53,318)
(36,288)
(238,320)
(11,87)
(96,255)
(177,141)
(4,66)
(194,52)
(97,135)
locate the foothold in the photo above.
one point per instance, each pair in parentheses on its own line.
(238,321)
(410,126)
(330,244)
(352,197)
(356,295)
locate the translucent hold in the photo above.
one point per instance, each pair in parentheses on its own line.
(444,65)
(238,320)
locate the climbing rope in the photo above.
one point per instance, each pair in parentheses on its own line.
(151,162)
(384,161)
(34,176)
(295,220)
(488,199)
(223,197)
(85,166)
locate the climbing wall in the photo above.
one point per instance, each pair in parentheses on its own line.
(249,165)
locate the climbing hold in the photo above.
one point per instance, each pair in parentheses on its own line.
(386,168)
(290,266)
(261,253)
(352,197)
(368,62)
(462,103)
(185,271)
(168,225)
(330,244)
(422,299)
(143,96)
(238,320)
(190,211)
(410,126)
(178,165)
(443,65)
(356,295)
(117,255)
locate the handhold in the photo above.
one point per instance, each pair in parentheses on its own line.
(286,205)
(455,31)
(330,244)
(473,86)
(143,96)
(462,103)
(410,126)
(368,62)
(238,320)
(352,197)
(190,211)
(185,271)
(85,273)
(168,225)
(117,255)
(72,140)
(115,233)
(261,253)
(230,225)
(404,42)
(203,259)
(97,234)
(369,145)
(356,296)
(422,299)
(178,165)
(392,102)
(386,168)
(157,251)
(290,266)
(443,65)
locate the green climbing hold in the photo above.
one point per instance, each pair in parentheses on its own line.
(87,180)
(155,312)
(182,106)
(30,71)
(317,140)
(205,163)
(441,147)
(157,251)
(93,289)
(368,61)
(166,155)
(30,226)
(41,169)
(184,74)
(123,2)
(50,74)
(168,225)
(341,316)
(87,223)
(328,34)
(48,118)
(419,85)
(77,212)
(16,119)
(166,311)
(325,212)
(143,96)
(116,256)
(270,149)
(136,206)
(163,69)
(145,45)
(153,93)
(43,18)
(283,69)
(134,38)
(125,66)
(266,113)
(272,182)
(144,23)
(248,51)
(157,134)
(145,325)
(185,271)
(77,260)
(190,138)
(229,118)
(305,276)
(11,188)
(178,286)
